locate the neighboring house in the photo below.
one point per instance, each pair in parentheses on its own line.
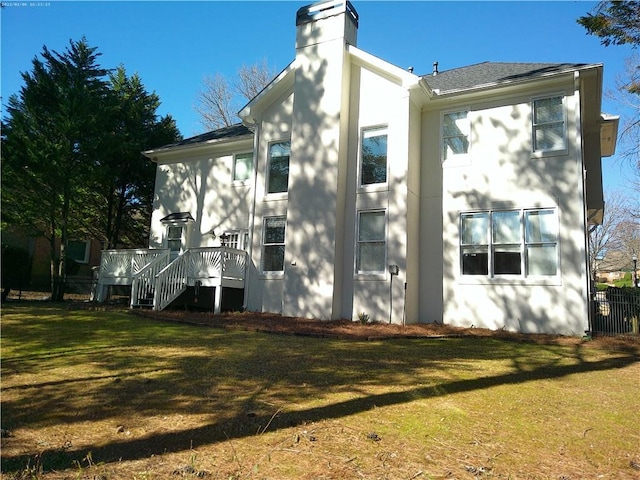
(83,253)
(463,196)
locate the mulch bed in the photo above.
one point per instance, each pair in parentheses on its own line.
(341,329)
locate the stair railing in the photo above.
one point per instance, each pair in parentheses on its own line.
(144,281)
(171,281)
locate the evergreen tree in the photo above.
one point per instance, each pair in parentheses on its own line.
(125,179)
(72,164)
(50,139)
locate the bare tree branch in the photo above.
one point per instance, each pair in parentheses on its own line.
(214,103)
(220,99)
(612,244)
(253,78)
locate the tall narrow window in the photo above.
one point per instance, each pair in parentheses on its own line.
(507,257)
(548,124)
(373,164)
(541,239)
(278,174)
(174,238)
(372,244)
(455,134)
(242,167)
(475,243)
(273,244)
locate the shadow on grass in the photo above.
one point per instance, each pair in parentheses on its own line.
(265,363)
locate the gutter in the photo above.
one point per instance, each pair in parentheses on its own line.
(177,149)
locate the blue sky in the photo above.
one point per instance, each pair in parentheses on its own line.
(172,45)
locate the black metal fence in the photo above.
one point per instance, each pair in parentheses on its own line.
(616,311)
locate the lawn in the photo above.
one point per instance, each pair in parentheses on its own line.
(109,395)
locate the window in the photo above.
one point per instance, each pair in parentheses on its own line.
(541,240)
(548,124)
(455,134)
(174,238)
(273,244)
(178,229)
(371,247)
(238,239)
(509,242)
(242,167)
(278,174)
(78,250)
(373,163)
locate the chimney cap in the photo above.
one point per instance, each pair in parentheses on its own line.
(320,10)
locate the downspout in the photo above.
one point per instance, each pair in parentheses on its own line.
(252,214)
(583,194)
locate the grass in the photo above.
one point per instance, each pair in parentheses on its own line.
(110,395)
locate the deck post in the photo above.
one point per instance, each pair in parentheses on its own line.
(217,301)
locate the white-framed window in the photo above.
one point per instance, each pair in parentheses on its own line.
(78,250)
(273,243)
(517,243)
(177,231)
(373,156)
(238,239)
(371,244)
(174,237)
(549,130)
(242,167)
(456,132)
(278,167)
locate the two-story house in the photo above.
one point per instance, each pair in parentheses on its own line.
(354,186)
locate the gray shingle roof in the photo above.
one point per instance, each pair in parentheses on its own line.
(233,131)
(490,73)
(177,217)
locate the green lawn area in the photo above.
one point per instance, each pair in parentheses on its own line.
(110,395)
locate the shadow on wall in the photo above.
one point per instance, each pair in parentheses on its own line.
(523,181)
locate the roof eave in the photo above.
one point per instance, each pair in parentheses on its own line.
(154,154)
(250,112)
(396,74)
(437,93)
(609,125)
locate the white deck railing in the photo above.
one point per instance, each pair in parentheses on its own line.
(151,274)
(125,264)
(208,263)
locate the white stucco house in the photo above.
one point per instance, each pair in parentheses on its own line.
(354,186)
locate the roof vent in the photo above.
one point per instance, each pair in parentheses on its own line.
(410,69)
(435,68)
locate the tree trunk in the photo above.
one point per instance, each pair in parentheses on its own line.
(58,294)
